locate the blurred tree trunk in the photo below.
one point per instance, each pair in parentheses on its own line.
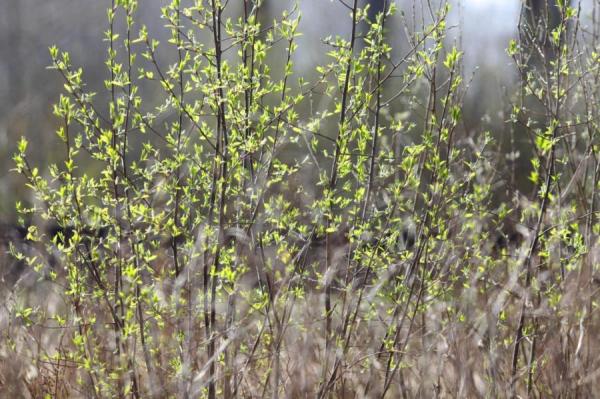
(375,7)
(10,48)
(543,8)
(541,18)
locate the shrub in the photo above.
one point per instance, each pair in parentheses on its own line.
(236,229)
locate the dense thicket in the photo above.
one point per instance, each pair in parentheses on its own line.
(251,232)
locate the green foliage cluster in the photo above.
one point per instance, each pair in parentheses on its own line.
(253,232)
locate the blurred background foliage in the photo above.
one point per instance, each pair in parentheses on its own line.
(482,28)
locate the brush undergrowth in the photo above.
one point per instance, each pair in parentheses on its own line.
(230,228)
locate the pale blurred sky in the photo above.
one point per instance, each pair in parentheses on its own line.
(486,26)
